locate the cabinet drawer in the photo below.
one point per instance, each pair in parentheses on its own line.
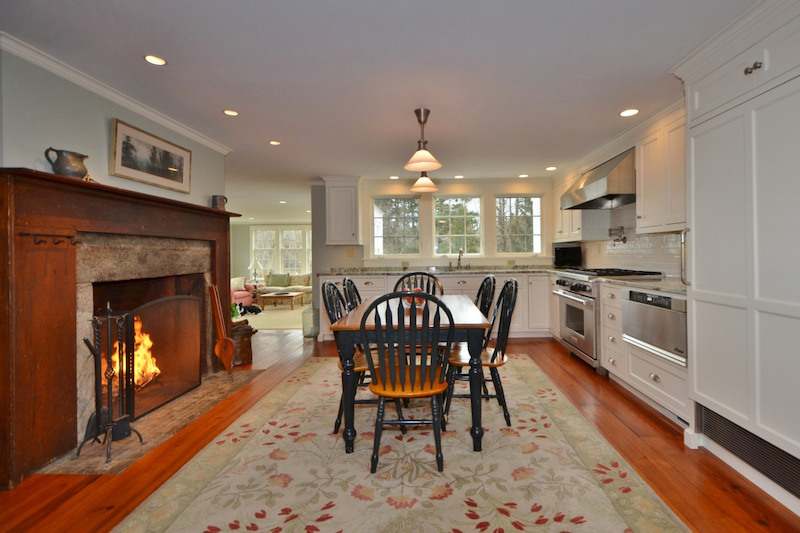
(369,283)
(615,361)
(612,317)
(756,67)
(662,382)
(461,284)
(611,296)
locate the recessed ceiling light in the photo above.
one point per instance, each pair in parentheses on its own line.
(551,169)
(155,60)
(629,113)
(523,175)
(394,177)
(275,143)
(308,210)
(459,177)
(282,201)
(231,113)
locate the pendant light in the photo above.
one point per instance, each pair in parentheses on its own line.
(424,184)
(422,160)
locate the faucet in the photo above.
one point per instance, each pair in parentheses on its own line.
(460,253)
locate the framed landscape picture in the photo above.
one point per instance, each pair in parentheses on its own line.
(140,156)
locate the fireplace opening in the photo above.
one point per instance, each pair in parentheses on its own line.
(153,339)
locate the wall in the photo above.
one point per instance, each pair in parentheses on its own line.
(40,108)
(240,250)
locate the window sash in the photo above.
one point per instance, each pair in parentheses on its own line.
(519,224)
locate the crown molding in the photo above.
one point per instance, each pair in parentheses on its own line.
(26,52)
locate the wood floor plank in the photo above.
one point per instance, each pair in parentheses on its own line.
(704,492)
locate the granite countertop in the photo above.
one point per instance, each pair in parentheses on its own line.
(543,269)
(666,284)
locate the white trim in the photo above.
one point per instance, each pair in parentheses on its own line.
(24,51)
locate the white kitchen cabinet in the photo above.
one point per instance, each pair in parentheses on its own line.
(555,316)
(662,381)
(743,155)
(771,61)
(577,224)
(613,356)
(538,302)
(341,210)
(661,178)
(460,283)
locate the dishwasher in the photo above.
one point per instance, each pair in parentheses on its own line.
(656,324)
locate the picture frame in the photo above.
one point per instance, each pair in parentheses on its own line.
(140,156)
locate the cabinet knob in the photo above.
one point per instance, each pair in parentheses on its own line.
(611,296)
(611,316)
(749,70)
(462,282)
(612,361)
(578,228)
(369,283)
(639,217)
(653,376)
(611,338)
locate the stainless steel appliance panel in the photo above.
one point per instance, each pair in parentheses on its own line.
(654,327)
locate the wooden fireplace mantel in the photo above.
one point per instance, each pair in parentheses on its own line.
(43,216)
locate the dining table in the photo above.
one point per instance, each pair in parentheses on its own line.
(470,327)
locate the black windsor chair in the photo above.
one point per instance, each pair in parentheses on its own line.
(419,280)
(413,338)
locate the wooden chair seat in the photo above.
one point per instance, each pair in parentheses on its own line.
(460,357)
(421,389)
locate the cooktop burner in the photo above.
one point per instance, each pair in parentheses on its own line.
(612,272)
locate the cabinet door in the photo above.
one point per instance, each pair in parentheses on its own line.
(341,210)
(661,179)
(743,315)
(538,302)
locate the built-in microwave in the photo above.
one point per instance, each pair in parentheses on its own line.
(567,255)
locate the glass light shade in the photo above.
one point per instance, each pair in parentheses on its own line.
(422,161)
(424,184)
(255,265)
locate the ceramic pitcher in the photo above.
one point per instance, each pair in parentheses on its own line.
(67,163)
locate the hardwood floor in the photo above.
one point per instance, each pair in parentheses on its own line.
(706,494)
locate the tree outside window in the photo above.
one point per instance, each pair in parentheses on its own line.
(519,225)
(457,225)
(396,226)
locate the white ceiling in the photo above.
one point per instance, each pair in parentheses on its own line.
(513,85)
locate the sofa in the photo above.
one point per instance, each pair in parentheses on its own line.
(241,292)
(287,283)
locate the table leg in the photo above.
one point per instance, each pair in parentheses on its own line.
(345,342)
(474,345)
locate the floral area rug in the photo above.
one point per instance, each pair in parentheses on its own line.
(280,469)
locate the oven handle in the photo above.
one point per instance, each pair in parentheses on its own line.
(571,297)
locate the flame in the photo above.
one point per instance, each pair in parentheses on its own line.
(144,364)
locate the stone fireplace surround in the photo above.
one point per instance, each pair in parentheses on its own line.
(103,257)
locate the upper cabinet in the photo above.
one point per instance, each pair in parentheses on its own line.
(577,224)
(772,60)
(661,177)
(341,210)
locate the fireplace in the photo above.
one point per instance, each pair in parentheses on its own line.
(154,348)
(64,237)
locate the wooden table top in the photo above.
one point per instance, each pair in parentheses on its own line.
(466,314)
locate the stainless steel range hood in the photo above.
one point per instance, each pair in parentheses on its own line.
(612,184)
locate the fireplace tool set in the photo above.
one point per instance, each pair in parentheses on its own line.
(102,422)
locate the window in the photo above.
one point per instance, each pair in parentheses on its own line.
(457,225)
(396,226)
(282,249)
(519,225)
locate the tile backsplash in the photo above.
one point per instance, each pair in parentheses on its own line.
(657,251)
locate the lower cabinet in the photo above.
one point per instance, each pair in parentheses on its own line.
(531,313)
(555,317)
(660,381)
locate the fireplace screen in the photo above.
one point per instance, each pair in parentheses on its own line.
(154,354)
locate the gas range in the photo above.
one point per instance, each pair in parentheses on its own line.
(569,278)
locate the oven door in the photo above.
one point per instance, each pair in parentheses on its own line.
(578,325)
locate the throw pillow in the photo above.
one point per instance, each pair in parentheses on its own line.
(278,280)
(296,280)
(237,284)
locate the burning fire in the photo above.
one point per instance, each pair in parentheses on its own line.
(144,364)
